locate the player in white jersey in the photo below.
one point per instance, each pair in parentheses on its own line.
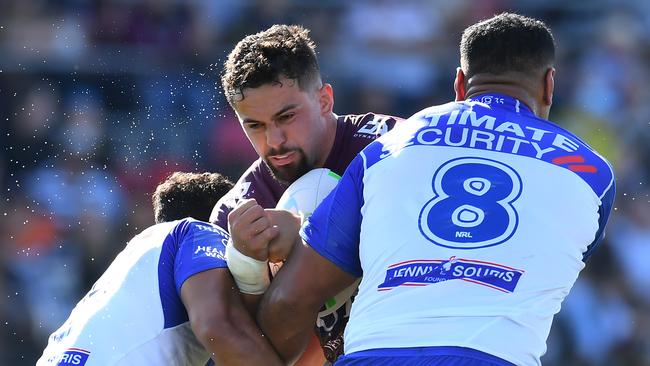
(148,305)
(469,223)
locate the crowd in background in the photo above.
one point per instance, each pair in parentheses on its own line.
(100,100)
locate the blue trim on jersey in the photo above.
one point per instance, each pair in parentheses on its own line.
(422,356)
(333,230)
(191,247)
(203,247)
(504,125)
(174,312)
(607,202)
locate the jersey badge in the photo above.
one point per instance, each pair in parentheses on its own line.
(374,128)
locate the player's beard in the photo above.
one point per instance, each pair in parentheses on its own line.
(288,174)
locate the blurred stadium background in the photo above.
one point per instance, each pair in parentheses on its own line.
(100,100)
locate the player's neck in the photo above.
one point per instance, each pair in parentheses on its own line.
(486,83)
(330,137)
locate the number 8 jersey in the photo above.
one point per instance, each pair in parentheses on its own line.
(469,224)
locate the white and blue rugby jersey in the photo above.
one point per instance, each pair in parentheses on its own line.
(133,315)
(469,224)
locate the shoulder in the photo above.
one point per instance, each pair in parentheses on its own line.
(361,119)
(256,182)
(369,125)
(254,175)
(192,225)
(153,235)
(579,157)
(353,133)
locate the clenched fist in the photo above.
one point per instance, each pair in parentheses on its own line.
(251,229)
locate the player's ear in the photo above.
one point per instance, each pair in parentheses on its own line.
(326,99)
(549,86)
(459,85)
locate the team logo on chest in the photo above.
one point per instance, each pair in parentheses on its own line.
(375,128)
(473,204)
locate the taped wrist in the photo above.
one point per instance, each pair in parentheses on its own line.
(251,275)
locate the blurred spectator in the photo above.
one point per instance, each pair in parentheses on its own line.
(597,319)
(101,100)
(44,269)
(229,146)
(395,35)
(630,242)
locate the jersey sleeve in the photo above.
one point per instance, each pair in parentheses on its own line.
(607,202)
(222,208)
(333,230)
(201,246)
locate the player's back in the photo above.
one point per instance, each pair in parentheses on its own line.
(490,212)
(132,314)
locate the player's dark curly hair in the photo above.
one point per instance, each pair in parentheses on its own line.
(507,42)
(188,195)
(265,57)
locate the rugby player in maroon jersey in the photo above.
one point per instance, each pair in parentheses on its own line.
(272,81)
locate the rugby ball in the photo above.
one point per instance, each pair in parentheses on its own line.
(301,198)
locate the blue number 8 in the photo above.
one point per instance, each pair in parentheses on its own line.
(472,207)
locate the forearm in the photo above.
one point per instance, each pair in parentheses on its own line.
(239,342)
(290,306)
(221,322)
(288,326)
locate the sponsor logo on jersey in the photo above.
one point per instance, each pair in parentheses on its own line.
(211,228)
(374,128)
(206,244)
(467,128)
(209,251)
(426,272)
(71,356)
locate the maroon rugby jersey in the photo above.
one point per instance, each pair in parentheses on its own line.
(353,133)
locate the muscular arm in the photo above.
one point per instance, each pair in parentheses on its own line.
(221,322)
(290,305)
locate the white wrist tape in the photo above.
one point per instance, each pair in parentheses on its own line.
(303,218)
(251,275)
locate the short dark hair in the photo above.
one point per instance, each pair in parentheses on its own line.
(188,195)
(266,57)
(507,42)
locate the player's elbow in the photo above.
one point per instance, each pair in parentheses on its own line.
(206,330)
(215,330)
(285,306)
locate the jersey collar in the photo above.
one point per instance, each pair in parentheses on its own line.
(502,101)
